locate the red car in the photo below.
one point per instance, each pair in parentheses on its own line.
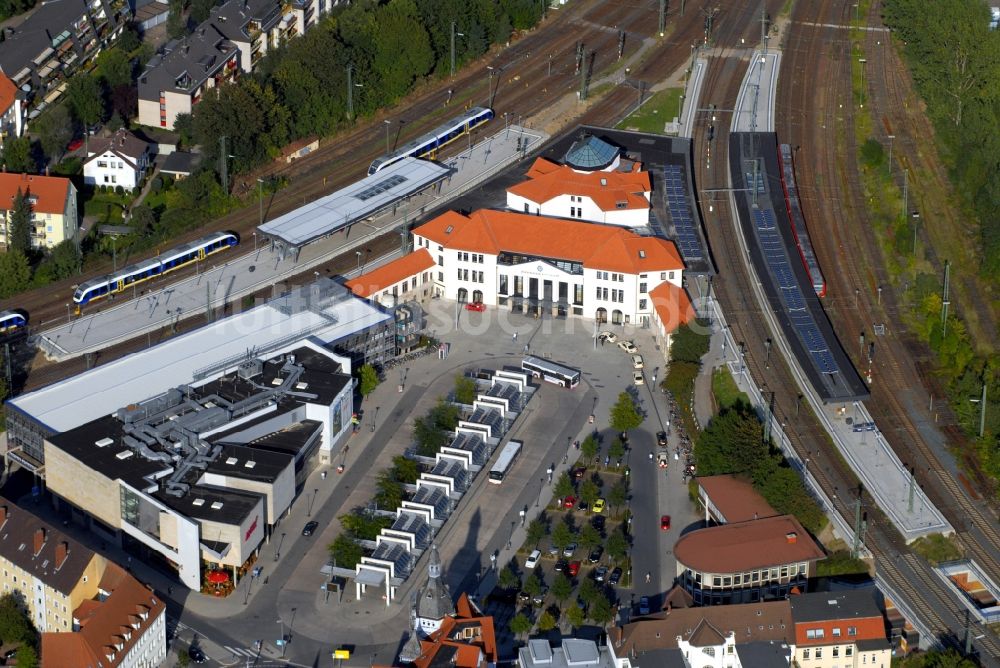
(665,523)
(569,502)
(573,569)
(475,306)
(75,144)
(579,472)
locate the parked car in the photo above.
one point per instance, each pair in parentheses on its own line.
(196,655)
(637,378)
(598,522)
(569,550)
(616,577)
(628,347)
(569,501)
(553,551)
(636,361)
(523,596)
(310,527)
(539,599)
(662,460)
(579,472)
(610,337)
(661,439)
(582,505)
(598,506)
(644,605)
(533,559)
(665,523)
(475,306)
(560,566)
(573,569)
(74,145)
(596,554)
(600,573)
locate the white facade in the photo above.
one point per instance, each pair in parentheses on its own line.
(607,296)
(12,120)
(579,207)
(151,648)
(113,169)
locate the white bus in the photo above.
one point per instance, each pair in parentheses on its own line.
(551,372)
(506,459)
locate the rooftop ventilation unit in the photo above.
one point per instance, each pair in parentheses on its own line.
(250,368)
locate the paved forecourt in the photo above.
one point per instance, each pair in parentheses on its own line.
(228,277)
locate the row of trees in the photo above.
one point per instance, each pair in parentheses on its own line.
(955,61)
(301,89)
(689,345)
(733,442)
(16,628)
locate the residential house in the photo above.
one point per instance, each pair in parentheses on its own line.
(175,80)
(52,573)
(53,200)
(123,626)
(119,160)
(843,629)
(405,278)
(464,638)
(40,54)
(11,110)
(710,637)
(745,562)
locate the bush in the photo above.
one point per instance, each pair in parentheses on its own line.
(156,185)
(119,190)
(872,154)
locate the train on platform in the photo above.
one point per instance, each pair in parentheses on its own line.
(799,231)
(12,320)
(427,145)
(119,281)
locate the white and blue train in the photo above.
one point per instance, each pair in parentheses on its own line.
(428,144)
(158,266)
(12,320)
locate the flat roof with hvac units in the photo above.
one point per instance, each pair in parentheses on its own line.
(354,203)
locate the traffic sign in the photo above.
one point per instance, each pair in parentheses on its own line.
(341,654)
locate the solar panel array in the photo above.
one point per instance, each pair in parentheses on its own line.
(798,313)
(680,213)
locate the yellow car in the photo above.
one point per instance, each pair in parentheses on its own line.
(598,506)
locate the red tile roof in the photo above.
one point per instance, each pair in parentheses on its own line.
(8,93)
(673,305)
(735,498)
(596,246)
(745,546)
(50,192)
(389,274)
(449,640)
(548,180)
(121,619)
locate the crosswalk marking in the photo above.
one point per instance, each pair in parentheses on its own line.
(241,651)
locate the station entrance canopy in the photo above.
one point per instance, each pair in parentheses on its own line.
(356,203)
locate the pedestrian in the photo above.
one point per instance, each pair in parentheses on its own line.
(647,577)
(514,338)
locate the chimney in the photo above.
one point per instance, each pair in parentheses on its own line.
(3,514)
(791,537)
(39,539)
(62,552)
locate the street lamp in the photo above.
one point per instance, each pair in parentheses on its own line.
(282,637)
(863,61)
(260,206)
(388,123)
(891,137)
(67,314)
(982,411)
(453,35)
(358,253)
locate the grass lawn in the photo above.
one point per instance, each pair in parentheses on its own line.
(654,113)
(725,390)
(936,548)
(106,207)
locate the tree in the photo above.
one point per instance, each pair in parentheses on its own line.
(537,529)
(618,495)
(17,155)
(575,615)
(176,21)
(601,611)
(367,380)
(430,439)
(54,129)
(85,98)
(345,551)
(617,449)
(937,659)
(508,579)
(690,342)
(617,546)
(520,624)
(532,585)
(589,492)
(142,219)
(564,486)
(405,470)
(27,656)
(114,67)
(562,587)
(445,415)
(733,442)
(624,414)
(129,41)
(125,100)
(390,492)
(64,259)
(364,525)
(589,448)
(562,535)
(19,224)
(546,622)
(589,592)
(590,537)
(465,390)
(15,273)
